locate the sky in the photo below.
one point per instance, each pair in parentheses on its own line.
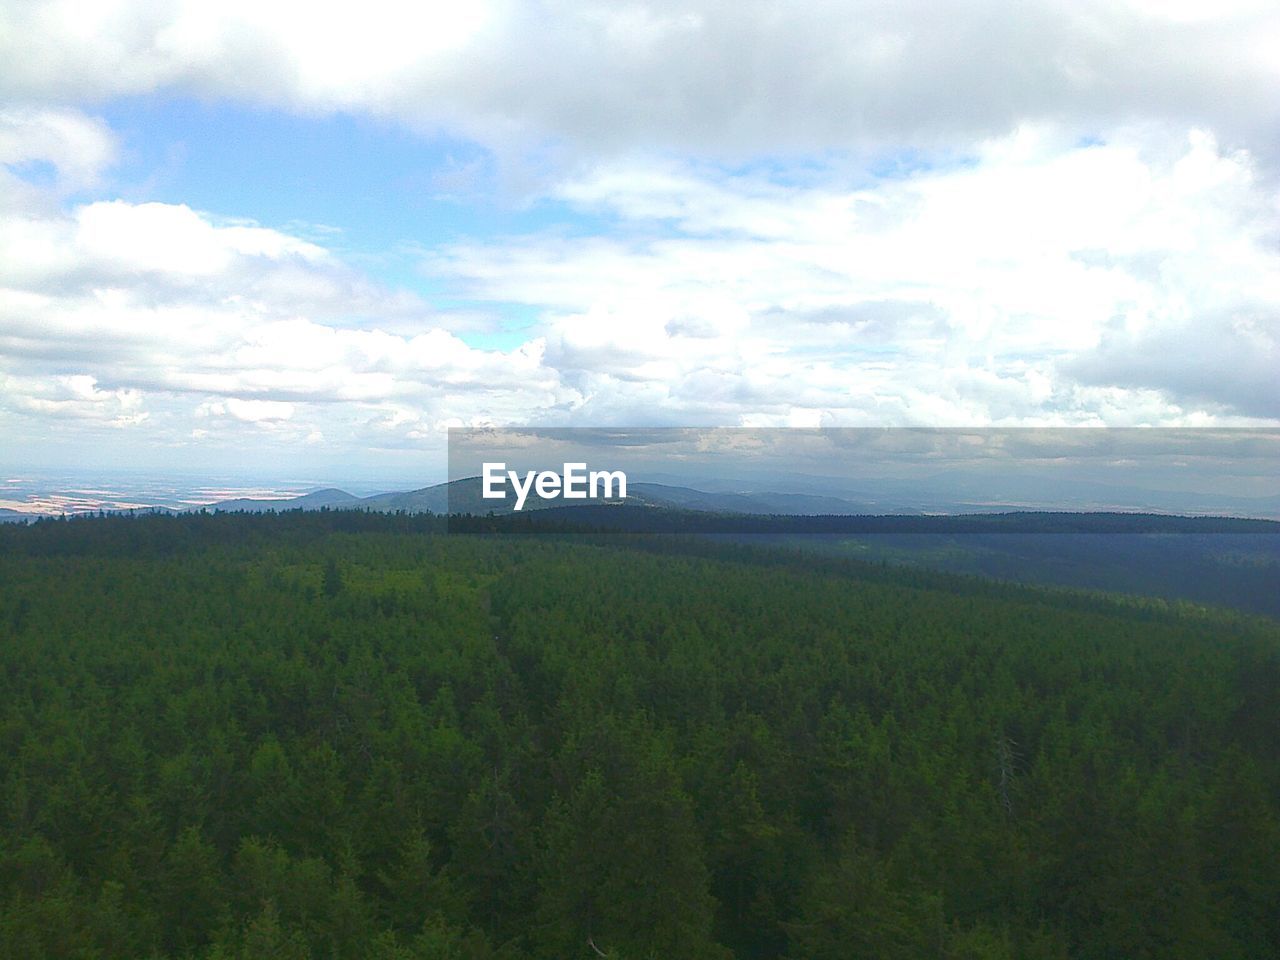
(271,239)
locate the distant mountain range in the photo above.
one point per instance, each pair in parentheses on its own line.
(871,498)
(464,496)
(331,499)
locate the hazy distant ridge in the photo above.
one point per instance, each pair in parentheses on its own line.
(463,496)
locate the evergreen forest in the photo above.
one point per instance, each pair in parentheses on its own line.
(340,735)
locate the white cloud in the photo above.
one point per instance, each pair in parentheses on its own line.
(1032,278)
(972,293)
(247,411)
(180,327)
(77,147)
(75,397)
(724,76)
(165,238)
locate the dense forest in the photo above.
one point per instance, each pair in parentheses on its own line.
(1219,561)
(345,735)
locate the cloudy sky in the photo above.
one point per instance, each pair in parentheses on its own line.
(276,238)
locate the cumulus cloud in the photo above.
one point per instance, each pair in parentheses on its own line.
(1003,288)
(215,342)
(1024,284)
(75,397)
(719,76)
(63,151)
(832,213)
(155,317)
(76,146)
(247,411)
(1226,360)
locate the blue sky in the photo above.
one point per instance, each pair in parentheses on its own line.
(282,239)
(367,188)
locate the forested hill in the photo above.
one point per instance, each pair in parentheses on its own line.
(344,735)
(1218,561)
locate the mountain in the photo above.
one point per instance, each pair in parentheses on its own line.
(331,498)
(13,516)
(783,504)
(970,491)
(464,496)
(458,496)
(433,499)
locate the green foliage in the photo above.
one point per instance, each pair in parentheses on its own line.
(332,582)
(349,736)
